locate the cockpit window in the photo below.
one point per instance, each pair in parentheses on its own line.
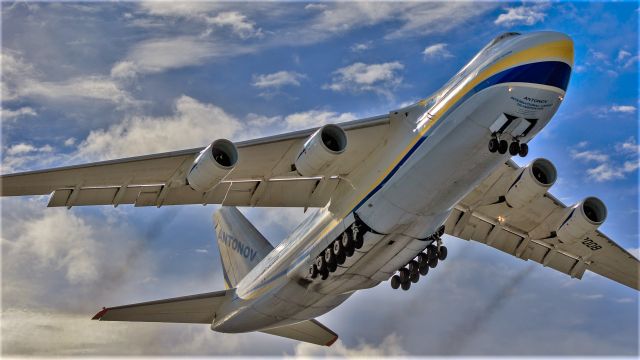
(502,37)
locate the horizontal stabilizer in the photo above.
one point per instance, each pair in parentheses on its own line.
(311,331)
(199,309)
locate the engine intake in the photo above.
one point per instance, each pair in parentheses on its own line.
(531,182)
(321,150)
(212,165)
(583,218)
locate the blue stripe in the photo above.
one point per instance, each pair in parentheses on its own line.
(551,73)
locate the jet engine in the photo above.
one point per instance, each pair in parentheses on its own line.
(212,165)
(532,181)
(321,150)
(583,218)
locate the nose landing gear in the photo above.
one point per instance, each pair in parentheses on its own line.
(422,263)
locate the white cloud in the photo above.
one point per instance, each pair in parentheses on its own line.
(70,141)
(522,15)
(360,77)
(315,6)
(194,124)
(23,148)
(607,168)
(623,54)
(277,79)
(605,172)
(8,114)
(437,51)
(627,109)
(313,118)
(359,47)
(238,22)
(589,155)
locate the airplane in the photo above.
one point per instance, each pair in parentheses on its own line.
(384,191)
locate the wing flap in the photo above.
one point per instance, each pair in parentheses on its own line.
(311,331)
(198,309)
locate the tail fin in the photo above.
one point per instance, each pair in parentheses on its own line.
(240,244)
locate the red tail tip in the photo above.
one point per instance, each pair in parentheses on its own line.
(100,314)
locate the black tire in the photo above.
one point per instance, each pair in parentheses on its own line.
(432,251)
(337,248)
(524,150)
(413,267)
(433,262)
(415,277)
(320,263)
(324,274)
(329,256)
(342,258)
(359,240)
(493,145)
(514,148)
(404,275)
(349,251)
(332,266)
(424,270)
(313,271)
(395,282)
(347,240)
(443,253)
(406,285)
(423,259)
(503,145)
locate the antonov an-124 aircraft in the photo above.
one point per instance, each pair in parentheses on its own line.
(386,189)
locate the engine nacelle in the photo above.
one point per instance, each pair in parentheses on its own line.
(532,182)
(321,150)
(212,165)
(583,218)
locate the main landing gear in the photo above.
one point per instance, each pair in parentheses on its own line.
(421,264)
(502,146)
(338,251)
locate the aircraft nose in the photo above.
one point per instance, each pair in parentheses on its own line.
(558,45)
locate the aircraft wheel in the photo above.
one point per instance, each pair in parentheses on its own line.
(395,282)
(313,271)
(349,251)
(413,267)
(329,258)
(415,277)
(424,269)
(338,252)
(404,275)
(514,148)
(433,262)
(321,265)
(406,285)
(493,145)
(503,145)
(359,241)
(432,251)
(324,274)
(524,150)
(423,259)
(347,240)
(443,253)
(332,266)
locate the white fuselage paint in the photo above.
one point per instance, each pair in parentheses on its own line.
(410,205)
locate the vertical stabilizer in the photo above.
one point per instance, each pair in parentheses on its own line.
(240,244)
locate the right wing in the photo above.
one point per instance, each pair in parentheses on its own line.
(262,177)
(311,331)
(529,232)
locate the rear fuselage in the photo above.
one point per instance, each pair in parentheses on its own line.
(434,154)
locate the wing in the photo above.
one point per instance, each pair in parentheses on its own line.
(262,177)
(198,309)
(528,232)
(311,331)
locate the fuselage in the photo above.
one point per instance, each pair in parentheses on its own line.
(434,153)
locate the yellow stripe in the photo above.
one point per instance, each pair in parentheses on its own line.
(562,50)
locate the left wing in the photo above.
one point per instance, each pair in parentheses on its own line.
(262,177)
(529,232)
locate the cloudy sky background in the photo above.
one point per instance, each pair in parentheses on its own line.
(85,82)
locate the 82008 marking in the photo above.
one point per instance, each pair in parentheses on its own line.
(591,245)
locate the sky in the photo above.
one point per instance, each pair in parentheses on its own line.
(91,81)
